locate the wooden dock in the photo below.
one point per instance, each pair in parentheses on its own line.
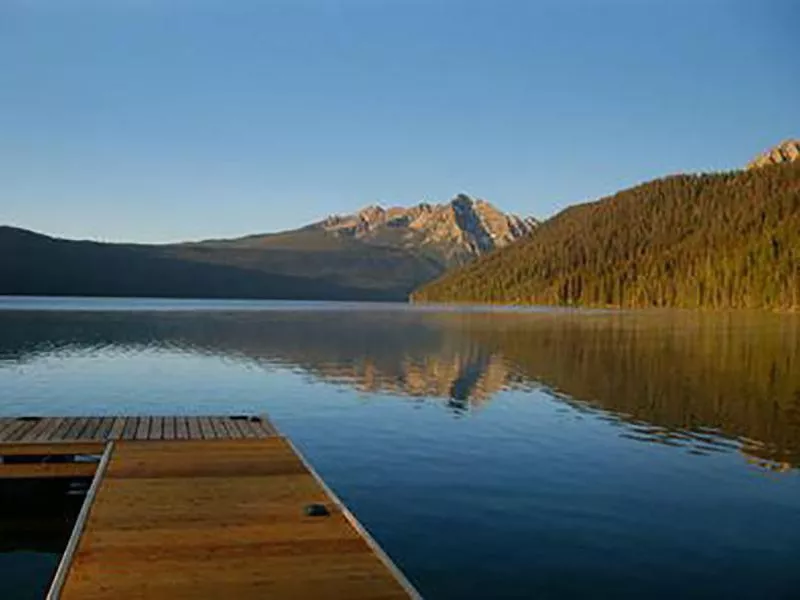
(231,509)
(104,429)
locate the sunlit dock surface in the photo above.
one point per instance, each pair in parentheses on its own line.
(197,507)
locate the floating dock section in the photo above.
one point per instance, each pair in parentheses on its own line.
(197,507)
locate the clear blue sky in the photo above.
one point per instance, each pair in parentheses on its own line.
(158,120)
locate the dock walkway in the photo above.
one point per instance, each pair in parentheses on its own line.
(205,517)
(104,429)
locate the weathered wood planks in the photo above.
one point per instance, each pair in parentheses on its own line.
(222,518)
(199,506)
(102,429)
(48,460)
(52,449)
(45,470)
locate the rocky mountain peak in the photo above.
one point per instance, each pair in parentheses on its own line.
(458,230)
(462,201)
(372,212)
(786,151)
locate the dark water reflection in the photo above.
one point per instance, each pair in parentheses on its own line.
(673,378)
(706,382)
(36,519)
(547,454)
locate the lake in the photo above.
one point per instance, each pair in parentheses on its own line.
(492,453)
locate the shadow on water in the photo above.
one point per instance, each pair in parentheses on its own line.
(36,519)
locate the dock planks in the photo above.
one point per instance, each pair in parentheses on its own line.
(43,470)
(222,518)
(104,429)
(52,449)
(47,461)
(196,507)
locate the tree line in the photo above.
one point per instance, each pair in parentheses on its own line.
(721,240)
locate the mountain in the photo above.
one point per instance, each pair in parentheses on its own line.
(457,232)
(725,240)
(376,254)
(448,234)
(788,151)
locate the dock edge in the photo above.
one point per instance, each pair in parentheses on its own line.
(60,577)
(360,529)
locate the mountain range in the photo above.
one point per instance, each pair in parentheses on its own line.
(715,240)
(375,254)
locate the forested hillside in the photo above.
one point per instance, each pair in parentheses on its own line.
(726,240)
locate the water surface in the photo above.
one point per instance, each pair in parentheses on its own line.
(504,454)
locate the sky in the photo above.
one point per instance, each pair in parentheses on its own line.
(167,120)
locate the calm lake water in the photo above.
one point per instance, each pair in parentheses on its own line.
(503,454)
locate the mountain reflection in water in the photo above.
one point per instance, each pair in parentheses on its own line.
(705,382)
